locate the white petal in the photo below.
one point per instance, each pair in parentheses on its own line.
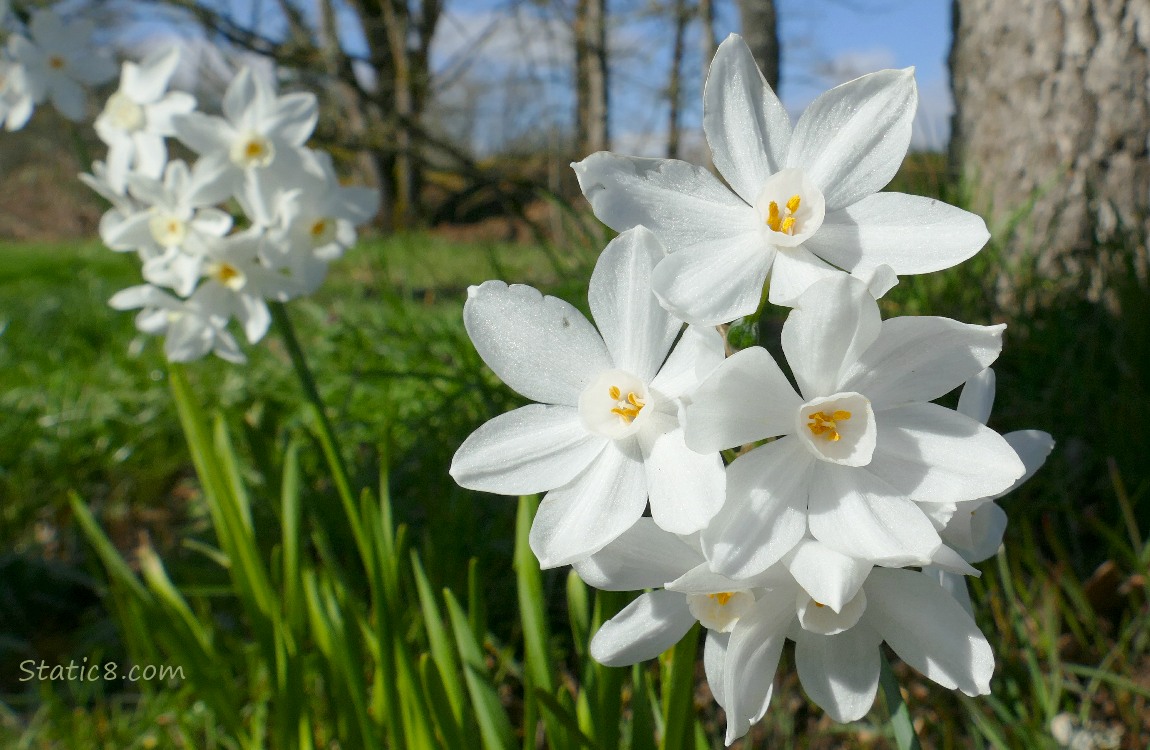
(295,117)
(254,316)
(585,515)
(643,557)
(752,658)
(987,526)
(747,127)
(644,629)
(1032,447)
(840,672)
(637,330)
(948,559)
(161,113)
(239,96)
(830,577)
(909,233)
(146,82)
(764,515)
(955,585)
(69,99)
(686,488)
(702,580)
(531,449)
(202,133)
(935,455)
(541,347)
(684,205)
(921,358)
(794,271)
(699,351)
(746,398)
(714,657)
(852,139)
(929,630)
(707,285)
(858,514)
(977,397)
(833,324)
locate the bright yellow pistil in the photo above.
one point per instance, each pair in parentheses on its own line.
(825,425)
(627,408)
(722,597)
(783,222)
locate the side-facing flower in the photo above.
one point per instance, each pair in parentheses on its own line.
(59,60)
(804,201)
(193,327)
(605,436)
(259,130)
(836,609)
(862,452)
(138,116)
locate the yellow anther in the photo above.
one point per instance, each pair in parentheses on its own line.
(226,272)
(614,391)
(793,203)
(784,222)
(820,605)
(318,227)
(633,400)
(824,425)
(253,149)
(627,408)
(788,226)
(55,62)
(773,218)
(722,597)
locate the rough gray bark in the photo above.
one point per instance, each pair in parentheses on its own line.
(1052,103)
(591,132)
(761,33)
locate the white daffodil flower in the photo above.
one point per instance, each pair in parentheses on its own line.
(138,116)
(123,205)
(59,60)
(174,225)
(836,609)
(975,527)
(192,326)
(605,436)
(259,131)
(801,202)
(863,452)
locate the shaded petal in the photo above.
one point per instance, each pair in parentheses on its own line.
(684,205)
(955,585)
(858,514)
(929,630)
(699,351)
(765,514)
(145,83)
(714,657)
(834,322)
(541,347)
(794,271)
(239,96)
(642,557)
(595,508)
(828,576)
(644,629)
(919,358)
(707,285)
(203,133)
(852,139)
(840,672)
(294,118)
(752,658)
(531,449)
(746,125)
(686,488)
(977,396)
(935,455)
(637,330)
(909,233)
(746,398)
(1032,447)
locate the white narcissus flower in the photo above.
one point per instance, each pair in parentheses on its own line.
(138,116)
(606,436)
(259,130)
(59,60)
(836,609)
(863,453)
(804,201)
(193,326)
(172,228)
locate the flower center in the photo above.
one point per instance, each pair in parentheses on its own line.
(253,150)
(227,275)
(720,611)
(124,113)
(56,62)
(824,426)
(784,222)
(822,619)
(168,230)
(322,231)
(613,404)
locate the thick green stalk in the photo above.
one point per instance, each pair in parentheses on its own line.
(900,721)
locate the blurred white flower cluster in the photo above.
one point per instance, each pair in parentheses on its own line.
(201,266)
(850,506)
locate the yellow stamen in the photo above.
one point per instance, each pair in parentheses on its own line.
(788,226)
(722,597)
(628,408)
(793,203)
(784,223)
(253,149)
(55,62)
(318,227)
(820,605)
(773,217)
(824,425)
(614,391)
(226,272)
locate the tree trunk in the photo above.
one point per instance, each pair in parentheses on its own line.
(761,33)
(591,76)
(675,84)
(1052,104)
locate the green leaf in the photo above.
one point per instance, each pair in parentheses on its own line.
(494,726)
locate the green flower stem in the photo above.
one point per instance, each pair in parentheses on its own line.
(899,714)
(325,433)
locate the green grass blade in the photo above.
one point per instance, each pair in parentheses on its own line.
(494,726)
(679,692)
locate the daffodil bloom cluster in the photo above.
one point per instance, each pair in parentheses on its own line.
(850,505)
(203,267)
